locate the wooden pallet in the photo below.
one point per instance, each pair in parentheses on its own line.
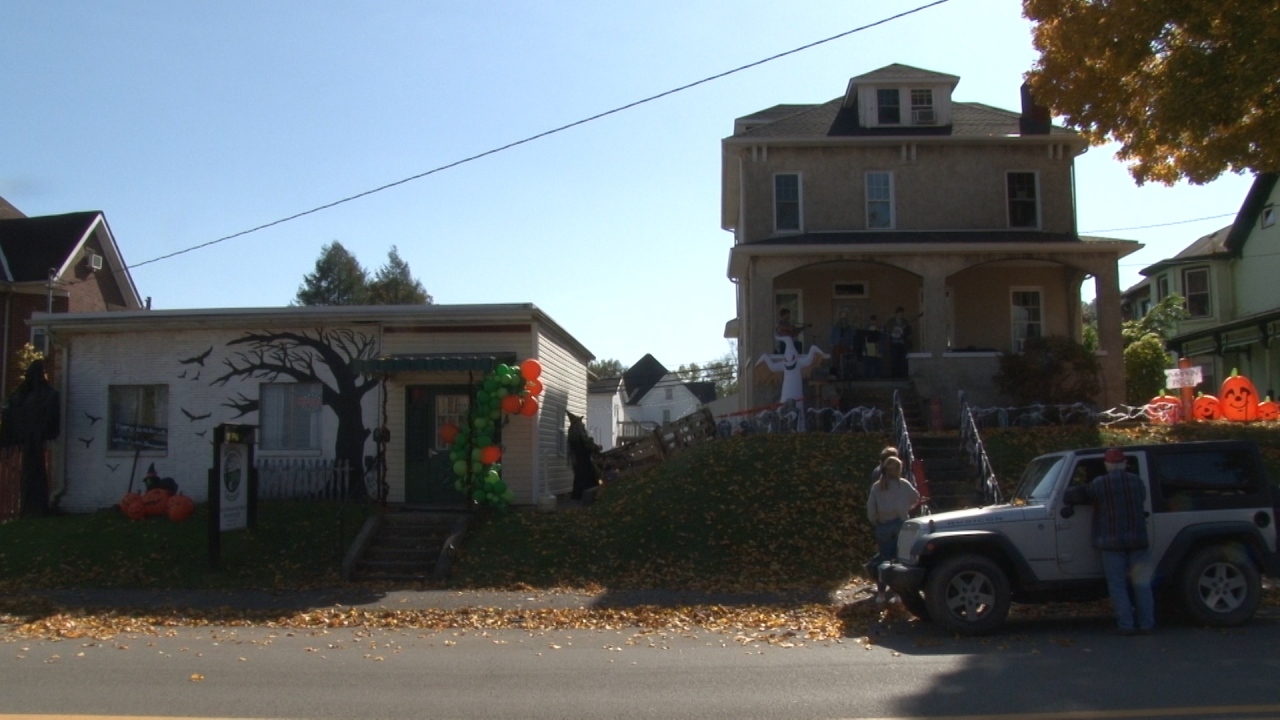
(657,446)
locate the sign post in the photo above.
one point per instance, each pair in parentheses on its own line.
(1186,378)
(233,485)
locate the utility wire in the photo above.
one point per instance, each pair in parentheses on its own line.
(1175,222)
(538,136)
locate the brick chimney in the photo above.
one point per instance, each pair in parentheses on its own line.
(1035,118)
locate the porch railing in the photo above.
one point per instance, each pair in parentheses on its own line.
(902,440)
(971,445)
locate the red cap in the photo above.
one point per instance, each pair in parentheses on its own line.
(1114,455)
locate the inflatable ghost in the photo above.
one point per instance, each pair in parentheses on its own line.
(792,366)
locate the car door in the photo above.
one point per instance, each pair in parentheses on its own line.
(1077,558)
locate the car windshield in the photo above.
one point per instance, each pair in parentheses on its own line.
(1036,485)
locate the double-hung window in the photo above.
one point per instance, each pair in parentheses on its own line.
(888,107)
(786,202)
(1024,210)
(138,417)
(1027,316)
(1195,287)
(290,416)
(922,112)
(879,200)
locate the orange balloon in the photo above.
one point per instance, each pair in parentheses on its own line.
(533,386)
(510,404)
(530,369)
(491,454)
(448,432)
(530,407)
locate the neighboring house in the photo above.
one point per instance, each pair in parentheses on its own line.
(643,399)
(895,194)
(55,263)
(147,387)
(1229,281)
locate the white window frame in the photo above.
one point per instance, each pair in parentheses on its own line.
(1268,216)
(669,394)
(40,341)
(799,202)
(1008,178)
(1017,338)
(839,291)
(881,106)
(1206,293)
(926,106)
(1162,286)
(122,437)
(887,201)
(292,407)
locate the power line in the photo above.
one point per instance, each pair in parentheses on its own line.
(1144,227)
(538,136)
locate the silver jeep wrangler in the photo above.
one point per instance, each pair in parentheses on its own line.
(1211,516)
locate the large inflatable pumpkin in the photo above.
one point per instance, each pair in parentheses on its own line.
(1238,399)
(181,507)
(1205,407)
(1164,409)
(155,502)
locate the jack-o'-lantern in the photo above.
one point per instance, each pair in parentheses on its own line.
(135,510)
(1205,407)
(1164,409)
(155,502)
(181,507)
(129,499)
(1269,410)
(1238,398)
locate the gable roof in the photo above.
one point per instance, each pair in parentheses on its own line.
(640,378)
(30,247)
(1250,209)
(7,210)
(897,72)
(704,390)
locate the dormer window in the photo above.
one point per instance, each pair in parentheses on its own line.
(922,112)
(889,107)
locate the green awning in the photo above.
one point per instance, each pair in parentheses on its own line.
(430,363)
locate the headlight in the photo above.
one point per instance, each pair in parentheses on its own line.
(907,538)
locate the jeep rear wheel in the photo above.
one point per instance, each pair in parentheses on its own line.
(1220,586)
(968,594)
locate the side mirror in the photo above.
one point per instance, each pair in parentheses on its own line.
(1067,511)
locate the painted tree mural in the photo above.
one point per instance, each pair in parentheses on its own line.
(273,355)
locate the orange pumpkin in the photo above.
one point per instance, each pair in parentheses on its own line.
(181,507)
(1205,407)
(155,502)
(1164,409)
(1269,410)
(1238,398)
(129,499)
(135,510)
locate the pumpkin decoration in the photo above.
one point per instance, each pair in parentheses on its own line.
(1269,410)
(135,509)
(1164,409)
(155,502)
(128,499)
(181,507)
(1205,407)
(1238,398)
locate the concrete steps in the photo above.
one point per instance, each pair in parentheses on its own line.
(405,546)
(952,480)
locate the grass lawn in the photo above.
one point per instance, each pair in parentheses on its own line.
(761,513)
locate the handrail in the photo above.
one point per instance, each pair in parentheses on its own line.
(902,440)
(971,443)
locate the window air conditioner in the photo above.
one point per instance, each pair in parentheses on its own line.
(922,116)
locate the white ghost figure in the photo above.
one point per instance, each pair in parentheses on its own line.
(792,366)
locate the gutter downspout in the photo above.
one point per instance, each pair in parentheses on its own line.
(4,364)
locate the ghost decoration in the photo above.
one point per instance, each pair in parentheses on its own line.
(792,366)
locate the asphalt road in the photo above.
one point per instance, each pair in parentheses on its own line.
(1070,667)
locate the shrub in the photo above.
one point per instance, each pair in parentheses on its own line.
(1050,370)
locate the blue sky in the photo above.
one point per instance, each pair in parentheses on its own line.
(189,121)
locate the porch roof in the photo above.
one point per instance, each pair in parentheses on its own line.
(431,363)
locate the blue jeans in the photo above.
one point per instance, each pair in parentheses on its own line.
(1129,584)
(886,548)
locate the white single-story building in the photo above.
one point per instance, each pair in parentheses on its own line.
(143,387)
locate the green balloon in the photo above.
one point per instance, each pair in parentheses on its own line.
(476,454)
(495,414)
(508,496)
(492,478)
(501,393)
(460,468)
(503,370)
(478,495)
(490,384)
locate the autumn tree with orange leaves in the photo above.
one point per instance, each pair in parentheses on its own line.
(1189,90)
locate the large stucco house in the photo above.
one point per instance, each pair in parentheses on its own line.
(147,387)
(897,194)
(1228,281)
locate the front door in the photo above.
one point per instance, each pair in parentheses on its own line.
(428,472)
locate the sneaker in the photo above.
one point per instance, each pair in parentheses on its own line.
(879,598)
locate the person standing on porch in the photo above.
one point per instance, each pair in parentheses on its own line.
(899,332)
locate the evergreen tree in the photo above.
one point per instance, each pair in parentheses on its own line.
(393,284)
(610,368)
(338,279)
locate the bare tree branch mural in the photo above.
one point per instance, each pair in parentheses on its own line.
(271,356)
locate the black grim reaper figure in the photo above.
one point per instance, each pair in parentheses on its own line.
(29,419)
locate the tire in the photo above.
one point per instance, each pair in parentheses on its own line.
(1220,586)
(968,594)
(915,604)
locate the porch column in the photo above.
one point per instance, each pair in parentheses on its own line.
(933,339)
(1106,284)
(756,334)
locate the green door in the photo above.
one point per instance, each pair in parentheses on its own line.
(428,474)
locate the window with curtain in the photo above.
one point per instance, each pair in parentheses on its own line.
(289,416)
(138,417)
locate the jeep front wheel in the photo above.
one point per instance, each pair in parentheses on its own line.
(1220,586)
(968,594)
